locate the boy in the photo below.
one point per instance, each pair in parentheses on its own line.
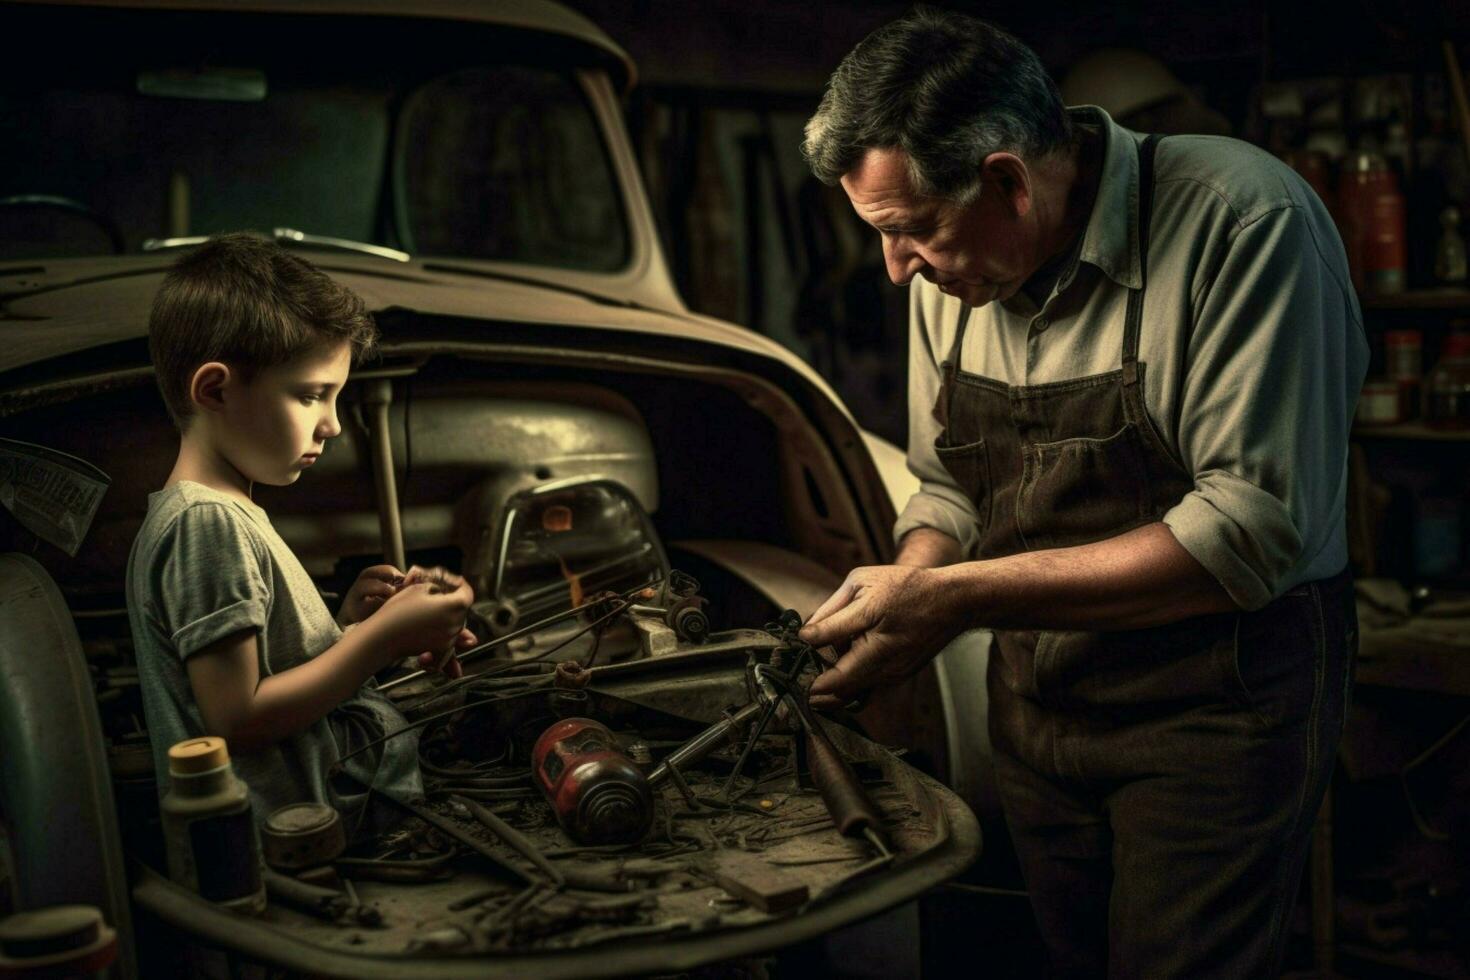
(251,346)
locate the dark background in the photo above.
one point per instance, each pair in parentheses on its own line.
(725,87)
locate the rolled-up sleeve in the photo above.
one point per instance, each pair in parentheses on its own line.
(1274,365)
(939,502)
(211,582)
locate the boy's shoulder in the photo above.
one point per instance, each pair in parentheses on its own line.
(194,510)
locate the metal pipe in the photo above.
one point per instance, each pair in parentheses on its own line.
(377,395)
(705,742)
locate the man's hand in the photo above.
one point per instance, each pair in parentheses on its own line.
(373,587)
(892,620)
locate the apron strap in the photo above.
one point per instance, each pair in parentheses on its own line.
(1134,320)
(950,369)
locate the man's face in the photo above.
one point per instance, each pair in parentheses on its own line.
(979,251)
(278,423)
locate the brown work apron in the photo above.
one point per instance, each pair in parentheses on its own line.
(1159,784)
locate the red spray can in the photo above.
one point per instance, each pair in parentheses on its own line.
(598,794)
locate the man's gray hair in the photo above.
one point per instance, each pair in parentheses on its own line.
(946,89)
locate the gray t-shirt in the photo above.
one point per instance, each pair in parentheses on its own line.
(206,565)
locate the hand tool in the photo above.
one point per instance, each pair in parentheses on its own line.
(853,811)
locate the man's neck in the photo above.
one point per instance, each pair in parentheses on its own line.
(198,462)
(1069,180)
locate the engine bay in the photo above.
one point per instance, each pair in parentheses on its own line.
(630,565)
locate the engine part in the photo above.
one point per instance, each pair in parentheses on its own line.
(571,676)
(687,618)
(720,733)
(302,835)
(598,795)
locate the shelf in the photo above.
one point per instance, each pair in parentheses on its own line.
(1444,298)
(1410,430)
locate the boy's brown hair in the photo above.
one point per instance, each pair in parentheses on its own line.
(249,303)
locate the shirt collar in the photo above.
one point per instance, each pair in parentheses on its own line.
(1110,240)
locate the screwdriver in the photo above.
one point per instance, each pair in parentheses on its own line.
(853,812)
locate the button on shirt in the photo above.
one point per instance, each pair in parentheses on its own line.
(1252,340)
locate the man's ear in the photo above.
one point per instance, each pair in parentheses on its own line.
(1009,174)
(207,386)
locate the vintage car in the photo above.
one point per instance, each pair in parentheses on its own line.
(464,167)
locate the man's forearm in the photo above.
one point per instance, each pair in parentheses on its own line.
(1141,578)
(924,547)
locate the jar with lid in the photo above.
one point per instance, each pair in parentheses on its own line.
(1448,387)
(208,827)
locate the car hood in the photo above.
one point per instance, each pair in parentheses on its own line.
(54,308)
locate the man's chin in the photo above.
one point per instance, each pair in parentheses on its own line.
(972,295)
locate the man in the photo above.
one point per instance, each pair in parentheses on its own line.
(1133,369)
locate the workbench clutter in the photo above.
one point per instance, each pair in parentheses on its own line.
(566,806)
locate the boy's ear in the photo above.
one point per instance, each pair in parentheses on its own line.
(207,386)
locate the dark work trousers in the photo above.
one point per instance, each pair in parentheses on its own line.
(1159,784)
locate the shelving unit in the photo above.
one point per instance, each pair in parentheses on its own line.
(1441,298)
(1410,431)
(1398,453)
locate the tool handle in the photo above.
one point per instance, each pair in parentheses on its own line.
(853,811)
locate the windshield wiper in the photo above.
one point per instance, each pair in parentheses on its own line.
(288,236)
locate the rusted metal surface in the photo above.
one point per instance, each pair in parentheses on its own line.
(512,929)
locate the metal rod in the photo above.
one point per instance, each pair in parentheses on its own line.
(535,627)
(704,743)
(377,395)
(467,839)
(513,838)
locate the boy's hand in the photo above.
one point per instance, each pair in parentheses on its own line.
(447,663)
(425,617)
(375,586)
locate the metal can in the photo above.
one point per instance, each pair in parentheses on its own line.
(598,795)
(1379,404)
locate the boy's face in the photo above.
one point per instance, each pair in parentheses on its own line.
(277,424)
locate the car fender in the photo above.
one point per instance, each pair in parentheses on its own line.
(56,802)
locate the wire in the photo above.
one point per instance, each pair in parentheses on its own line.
(432,718)
(465,655)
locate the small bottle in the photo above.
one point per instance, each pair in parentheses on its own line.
(1449,385)
(1449,254)
(208,827)
(1404,364)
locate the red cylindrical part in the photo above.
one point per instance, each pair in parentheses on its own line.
(598,795)
(1372,212)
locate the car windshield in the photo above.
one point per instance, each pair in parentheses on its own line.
(438,138)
